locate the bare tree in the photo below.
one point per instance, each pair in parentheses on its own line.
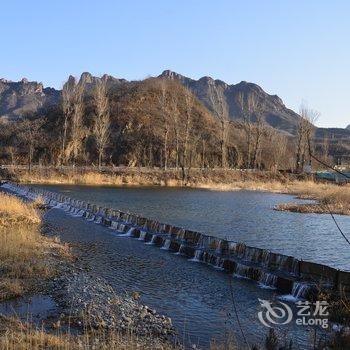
(162,100)
(220,106)
(68,108)
(259,127)
(304,136)
(101,126)
(30,134)
(176,125)
(248,107)
(189,101)
(77,130)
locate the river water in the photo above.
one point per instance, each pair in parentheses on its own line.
(243,216)
(199,298)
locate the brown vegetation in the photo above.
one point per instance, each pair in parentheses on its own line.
(27,258)
(329,198)
(153,123)
(18,335)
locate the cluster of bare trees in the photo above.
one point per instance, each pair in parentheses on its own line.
(154,123)
(74,128)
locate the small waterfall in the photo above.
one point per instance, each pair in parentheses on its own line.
(153,240)
(121,228)
(166,245)
(92,217)
(265,257)
(219,263)
(268,280)
(295,267)
(181,249)
(79,213)
(300,290)
(198,255)
(245,271)
(142,235)
(114,225)
(98,220)
(241,271)
(218,249)
(281,260)
(130,232)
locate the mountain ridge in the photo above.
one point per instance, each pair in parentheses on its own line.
(236,97)
(22,97)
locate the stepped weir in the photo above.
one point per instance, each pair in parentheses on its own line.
(288,275)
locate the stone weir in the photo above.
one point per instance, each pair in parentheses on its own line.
(300,279)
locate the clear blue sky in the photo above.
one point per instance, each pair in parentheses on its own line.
(297,49)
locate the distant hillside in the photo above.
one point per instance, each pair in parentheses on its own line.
(22,97)
(236,97)
(157,121)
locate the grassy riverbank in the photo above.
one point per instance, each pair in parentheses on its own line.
(28,259)
(329,197)
(32,264)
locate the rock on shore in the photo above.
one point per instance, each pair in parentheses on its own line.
(86,300)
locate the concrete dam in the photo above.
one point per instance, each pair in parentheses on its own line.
(286,274)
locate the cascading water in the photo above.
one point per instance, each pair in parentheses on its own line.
(130,232)
(218,249)
(209,249)
(91,217)
(121,227)
(219,263)
(268,280)
(181,249)
(114,225)
(300,289)
(166,245)
(198,256)
(98,220)
(153,240)
(241,271)
(142,235)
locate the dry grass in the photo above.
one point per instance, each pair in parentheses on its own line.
(15,212)
(15,334)
(336,197)
(18,335)
(24,251)
(329,197)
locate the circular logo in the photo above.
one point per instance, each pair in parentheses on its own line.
(278,314)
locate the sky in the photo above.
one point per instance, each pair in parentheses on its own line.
(296,49)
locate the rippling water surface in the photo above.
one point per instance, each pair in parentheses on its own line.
(244,216)
(198,297)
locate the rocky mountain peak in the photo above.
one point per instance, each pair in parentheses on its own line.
(210,92)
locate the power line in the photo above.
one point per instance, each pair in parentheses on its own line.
(236,313)
(336,223)
(327,205)
(329,166)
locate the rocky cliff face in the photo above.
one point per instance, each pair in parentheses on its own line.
(236,99)
(22,97)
